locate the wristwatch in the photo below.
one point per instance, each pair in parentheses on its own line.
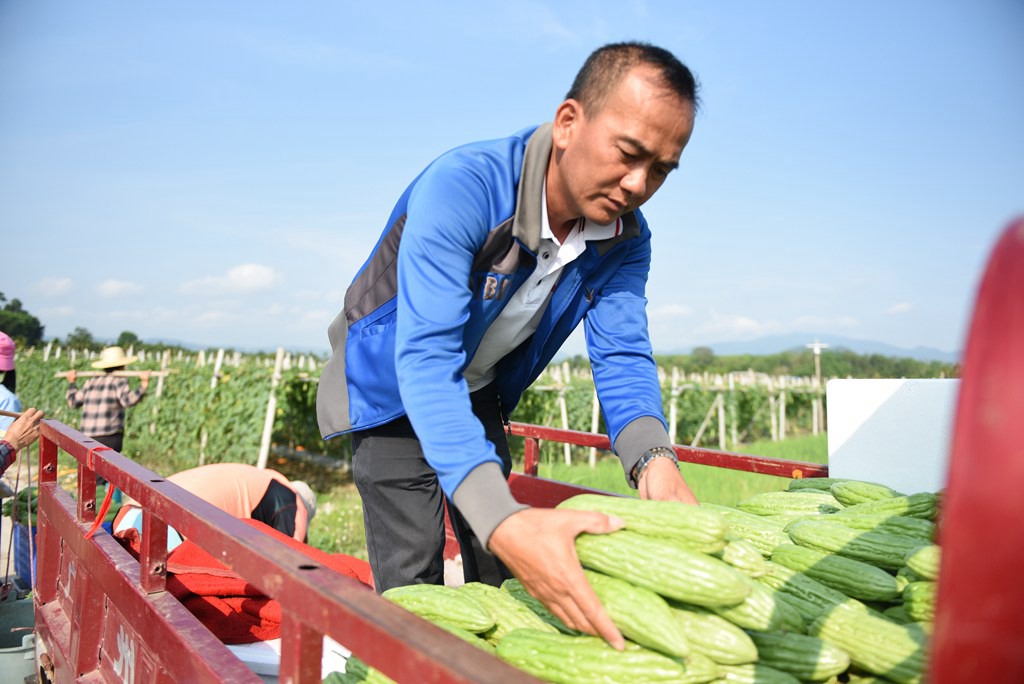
(650,455)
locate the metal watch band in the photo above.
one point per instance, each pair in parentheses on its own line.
(650,455)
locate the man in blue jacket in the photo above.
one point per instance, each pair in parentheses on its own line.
(489,260)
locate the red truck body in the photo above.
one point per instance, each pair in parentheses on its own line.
(102,616)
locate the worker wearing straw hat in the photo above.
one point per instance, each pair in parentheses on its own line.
(104,398)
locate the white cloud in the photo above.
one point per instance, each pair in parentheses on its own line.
(54,287)
(117,288)
(670,311)
(57,312)
(728,327)
(241,279)
(900,308)
(214,316)
(824,322)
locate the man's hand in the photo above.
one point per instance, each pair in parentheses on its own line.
(539,546)
(144,379)
(24,430)
(662,481)
(72,375)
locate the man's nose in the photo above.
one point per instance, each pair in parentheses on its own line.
(635,182)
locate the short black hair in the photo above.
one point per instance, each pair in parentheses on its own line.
(606,66)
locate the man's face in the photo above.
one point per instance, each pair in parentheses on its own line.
(611,163)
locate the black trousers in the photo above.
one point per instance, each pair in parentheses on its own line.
(403,505)
(115,442)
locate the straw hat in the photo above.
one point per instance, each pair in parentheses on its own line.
(113,357)
(304,492)
(6,353)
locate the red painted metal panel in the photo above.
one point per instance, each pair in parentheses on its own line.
(84,582)
(721,459)
(979,620)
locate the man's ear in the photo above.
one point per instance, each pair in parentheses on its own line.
(567,116)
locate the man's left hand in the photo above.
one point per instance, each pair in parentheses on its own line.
(662,481)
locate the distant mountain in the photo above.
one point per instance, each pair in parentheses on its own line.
(780,343)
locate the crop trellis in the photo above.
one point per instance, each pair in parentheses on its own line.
(213,412)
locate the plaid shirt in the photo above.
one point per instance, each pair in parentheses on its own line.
(103,401)
(7,454)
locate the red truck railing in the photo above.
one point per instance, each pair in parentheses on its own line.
(102,616)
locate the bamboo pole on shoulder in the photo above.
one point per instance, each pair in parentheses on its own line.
(268,421)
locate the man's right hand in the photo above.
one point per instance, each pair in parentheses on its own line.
(71,376)
(539,546)
(24,430)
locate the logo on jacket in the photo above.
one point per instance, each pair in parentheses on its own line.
(490,287)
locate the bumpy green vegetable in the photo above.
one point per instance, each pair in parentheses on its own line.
(565,659)
(755,673)
(693,527)
(919,600)
(852,577)
(759,531)
(920,505)
(801,655)
(441,604)
(875,644)
(506,612)
(820,483)
(517,591)
(852,492)
(924,562)
(714,636)
(907,526)
(762,610)
(776,503)
(640,614)
(744,556)
(877,548)
(809,596)
(663,567)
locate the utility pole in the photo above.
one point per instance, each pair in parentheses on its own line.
(817,408)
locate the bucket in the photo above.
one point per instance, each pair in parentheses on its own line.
(17,641)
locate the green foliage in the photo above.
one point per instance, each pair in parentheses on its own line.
(835,363)
(19,324)
(81,338)
(127,339)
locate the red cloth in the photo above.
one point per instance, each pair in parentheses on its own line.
(225,603)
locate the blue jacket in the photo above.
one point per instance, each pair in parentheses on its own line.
(460,241)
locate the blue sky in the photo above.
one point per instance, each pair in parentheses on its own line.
(215,173)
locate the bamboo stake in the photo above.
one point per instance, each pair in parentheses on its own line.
(9,414)
(268,420)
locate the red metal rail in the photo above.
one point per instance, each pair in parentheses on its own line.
(104,617)
(721,459)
